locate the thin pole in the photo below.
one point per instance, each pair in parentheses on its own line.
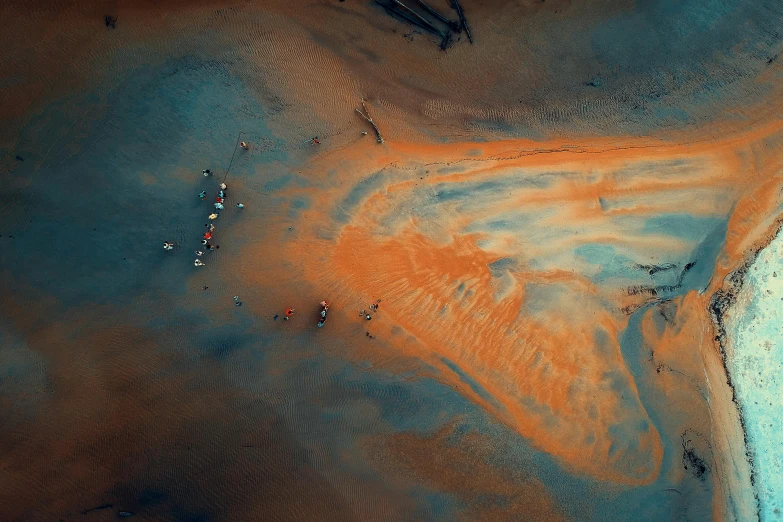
(232,156)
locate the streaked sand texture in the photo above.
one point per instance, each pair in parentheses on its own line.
(557,223)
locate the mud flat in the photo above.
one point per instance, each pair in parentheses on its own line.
(549,223)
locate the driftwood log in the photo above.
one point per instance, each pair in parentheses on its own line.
(462,20)
(418,17)
(454,26)
(366,116)
(399,13)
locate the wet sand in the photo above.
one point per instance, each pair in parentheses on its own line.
(547,226)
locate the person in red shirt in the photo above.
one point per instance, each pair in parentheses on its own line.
(207,235)
(288,313)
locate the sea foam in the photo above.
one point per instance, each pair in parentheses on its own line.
(755,360)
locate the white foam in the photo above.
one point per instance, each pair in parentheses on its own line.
(755,360)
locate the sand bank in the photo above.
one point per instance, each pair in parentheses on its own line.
(546,226)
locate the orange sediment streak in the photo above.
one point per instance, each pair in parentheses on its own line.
(544,372)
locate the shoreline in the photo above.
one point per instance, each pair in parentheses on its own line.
(721,303)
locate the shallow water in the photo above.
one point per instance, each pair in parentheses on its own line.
(539,350)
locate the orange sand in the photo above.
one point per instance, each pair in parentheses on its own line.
(550,361)
(549,378)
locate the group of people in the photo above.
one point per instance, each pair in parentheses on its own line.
(289,312)
(325,310)
(208,236)
(219,205)
(208,246)
(373,308)
(205,242)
